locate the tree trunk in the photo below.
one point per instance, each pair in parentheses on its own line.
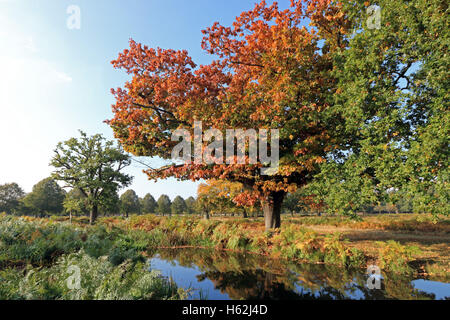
(93,215)
(206,216)
(245,213)
(70,217)
(272,209)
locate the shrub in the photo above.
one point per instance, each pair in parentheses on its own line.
(394,257)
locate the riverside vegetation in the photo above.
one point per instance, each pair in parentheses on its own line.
(36,253)
(35,256)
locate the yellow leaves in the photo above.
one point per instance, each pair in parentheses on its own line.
(320,160)
(292,188)
(309,244)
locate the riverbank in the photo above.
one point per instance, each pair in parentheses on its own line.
(403,244)
(413,245)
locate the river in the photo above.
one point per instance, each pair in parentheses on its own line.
(219,275)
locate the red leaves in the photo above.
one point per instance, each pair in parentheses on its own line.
(269,75)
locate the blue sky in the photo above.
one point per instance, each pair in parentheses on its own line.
(55,80)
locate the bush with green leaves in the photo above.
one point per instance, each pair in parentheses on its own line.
(35,242)
(98,279)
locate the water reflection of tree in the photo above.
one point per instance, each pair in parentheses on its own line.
(248,276)
(258,284)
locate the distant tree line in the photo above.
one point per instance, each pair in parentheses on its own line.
(220,197)
(90,168)
(304,202)
(48,198)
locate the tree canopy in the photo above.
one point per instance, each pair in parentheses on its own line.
(269,74)
(191,205)
(178,205)
(129,202)
(164,204)
(74,203)
(93,166)
(148,204)
(393,94)
(10,196)
(355,106)
(46,197)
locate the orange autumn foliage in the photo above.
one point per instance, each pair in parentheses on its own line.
(272,71)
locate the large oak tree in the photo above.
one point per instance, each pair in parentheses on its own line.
(270,74)
(340,92)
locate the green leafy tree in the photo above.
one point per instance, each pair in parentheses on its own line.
(129,203)
(190,205)
(73,206)
(76,194)
(148,204)
(93,165)
(46,197)
(10,195)
(178,205)
(392,107)
(291,203)
(110,205)
(164,205)
(405,204)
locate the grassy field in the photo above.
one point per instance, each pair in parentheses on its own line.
(115,249)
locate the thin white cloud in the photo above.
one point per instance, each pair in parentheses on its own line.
(39,74)
(63,76)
